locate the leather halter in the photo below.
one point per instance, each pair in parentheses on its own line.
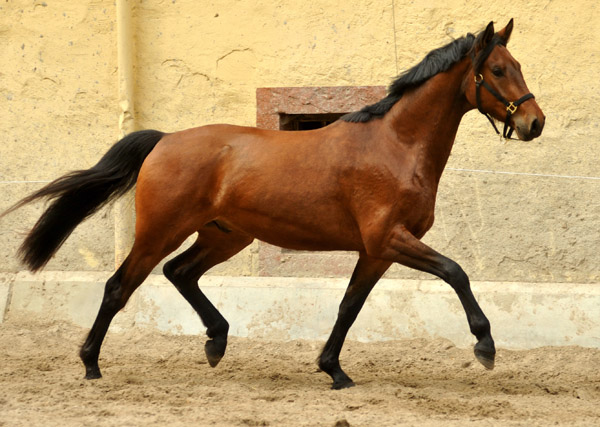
(511,107)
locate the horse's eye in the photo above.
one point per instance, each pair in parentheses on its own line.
(497,71)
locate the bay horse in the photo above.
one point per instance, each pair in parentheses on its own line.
(365,183)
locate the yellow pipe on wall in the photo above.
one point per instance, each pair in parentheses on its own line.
(124,210)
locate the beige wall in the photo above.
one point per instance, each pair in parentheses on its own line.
(58,112)
(201,62)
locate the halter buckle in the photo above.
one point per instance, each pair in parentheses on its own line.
(478,79)
(511,108)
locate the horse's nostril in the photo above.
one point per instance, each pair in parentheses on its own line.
(535,127)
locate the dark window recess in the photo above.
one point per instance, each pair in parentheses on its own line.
(306,121)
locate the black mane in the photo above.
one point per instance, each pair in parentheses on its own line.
(436,61)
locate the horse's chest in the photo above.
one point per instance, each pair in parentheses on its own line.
(415,210)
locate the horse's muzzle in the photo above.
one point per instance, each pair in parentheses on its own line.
(529,127)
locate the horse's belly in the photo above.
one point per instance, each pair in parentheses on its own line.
(311,232)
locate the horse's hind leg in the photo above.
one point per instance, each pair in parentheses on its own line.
(366,274)
(141,260)
(212,247)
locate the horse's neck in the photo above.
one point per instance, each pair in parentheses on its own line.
(426,119)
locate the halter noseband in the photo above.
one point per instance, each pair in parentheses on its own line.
(511,107)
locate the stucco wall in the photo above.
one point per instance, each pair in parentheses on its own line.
(58,99)
(201,62)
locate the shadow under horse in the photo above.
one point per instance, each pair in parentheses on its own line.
(365,183)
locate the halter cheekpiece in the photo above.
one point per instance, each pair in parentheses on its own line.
(511,107)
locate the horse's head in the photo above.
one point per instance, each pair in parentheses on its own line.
(497,88)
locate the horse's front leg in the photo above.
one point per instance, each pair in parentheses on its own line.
(366,274)
(400,246)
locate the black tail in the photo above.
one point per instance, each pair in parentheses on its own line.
(79,194)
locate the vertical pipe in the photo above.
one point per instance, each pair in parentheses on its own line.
(124,211)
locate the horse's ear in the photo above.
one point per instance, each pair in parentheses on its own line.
(486,37)
(505,32)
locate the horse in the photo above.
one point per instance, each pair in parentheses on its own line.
(365,183)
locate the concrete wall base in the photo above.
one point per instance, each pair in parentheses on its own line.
(523,315)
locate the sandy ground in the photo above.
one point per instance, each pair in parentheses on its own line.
(154,379)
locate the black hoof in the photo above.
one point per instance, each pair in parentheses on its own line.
(215,350)
(92,373)
(340,385)
(485,353)
(339,377)
(486,359)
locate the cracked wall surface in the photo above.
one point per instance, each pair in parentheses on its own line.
(506,211)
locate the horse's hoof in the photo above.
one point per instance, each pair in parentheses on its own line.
(340,385)
(92,373)
(341,380)
(485,352)
(486,358)
(214,351)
